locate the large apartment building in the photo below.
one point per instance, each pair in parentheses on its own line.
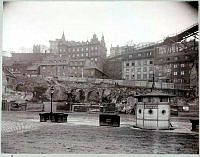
(77,59)
(177,60)
(139,65)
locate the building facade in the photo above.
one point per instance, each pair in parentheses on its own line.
(139,65)
(19,63)
(70,58)
(177,61)
(119,50)
(113,68)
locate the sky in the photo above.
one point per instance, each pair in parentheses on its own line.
(36,22)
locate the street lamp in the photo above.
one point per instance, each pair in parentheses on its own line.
(52,91)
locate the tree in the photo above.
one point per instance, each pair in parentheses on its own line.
(38,92)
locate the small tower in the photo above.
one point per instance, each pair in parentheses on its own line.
(63,36)
(94,38)
(102,40)
(153,110)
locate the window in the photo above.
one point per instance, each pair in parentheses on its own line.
(145,62)
(133,64)
(150,99)
(144,76)
(163,99)
(150,111)
(96,48)
(77,55)
(133,76)
(145,69)
(73,50)
(95,59)
(139,99)
(175,80)
(138,76)
(139,111)
(150,75)
(182,65)
(138,69)
(175,65)
(163,112)
(130,56)
(87,54)
(86,48)
(175,58)
(43,67)
(127,69)
(150,62)
(127,64)
(175,73)
(139,63)
(182,72)
(139,54)
(183,81)
(150,68)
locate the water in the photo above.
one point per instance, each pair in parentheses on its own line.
(82,134)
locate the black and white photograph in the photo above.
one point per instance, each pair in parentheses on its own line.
(100,77)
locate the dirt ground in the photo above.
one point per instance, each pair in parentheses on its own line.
(23,133)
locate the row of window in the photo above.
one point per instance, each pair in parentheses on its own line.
(179,80)
(172,58)
(140,54)
(76,63)
(176,73)
(70,56)
(176,65)
(139,76)
(139,69)
(63,67)
(150,111)
(174,48)
(75,49)
(139,63)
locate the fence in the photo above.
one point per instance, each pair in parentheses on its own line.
(126,83)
